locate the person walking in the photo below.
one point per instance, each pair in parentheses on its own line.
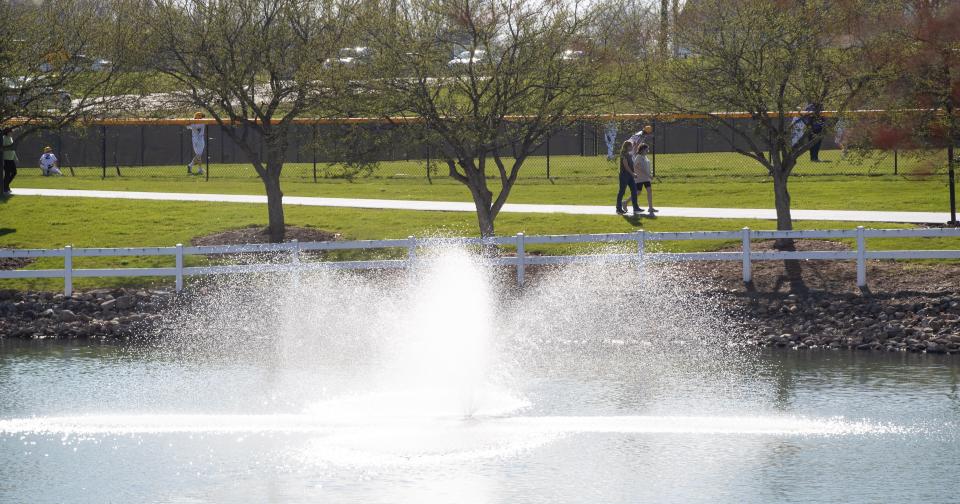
(627,178)
(9,161)
(643,175)
(199,133)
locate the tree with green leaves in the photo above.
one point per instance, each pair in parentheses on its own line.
(768,59)
(922,94)
(254,66)
(488,81)
(62,61)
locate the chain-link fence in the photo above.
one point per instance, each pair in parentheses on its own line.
(679,148)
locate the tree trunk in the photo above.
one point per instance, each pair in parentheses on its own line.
(782,203)
(485,219)
(276,226)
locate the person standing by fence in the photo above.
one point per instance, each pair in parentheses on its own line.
(815,125)
(9,161)
(610,137)
(199,133)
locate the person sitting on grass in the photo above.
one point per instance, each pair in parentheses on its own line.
(626,178)
(48,163)
(643,176)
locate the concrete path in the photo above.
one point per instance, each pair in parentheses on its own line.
(453,206)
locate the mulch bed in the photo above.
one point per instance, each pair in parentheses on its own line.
(13,263)
(782,277)
(257,234)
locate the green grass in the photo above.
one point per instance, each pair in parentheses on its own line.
(881,192)
(35,222)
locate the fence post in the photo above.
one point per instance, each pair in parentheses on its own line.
(583,133)
(179,267)
(895,161)
(295,261)
(429,180)
(521,256)
(68,270)
(548,155)
(295,251)
(313,148)
(207,152)
(653,147)
(747,266)
(103,152)
(411,250)
(861,259)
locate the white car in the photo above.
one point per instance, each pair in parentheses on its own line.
(349,56)
(31,91)
(469,57)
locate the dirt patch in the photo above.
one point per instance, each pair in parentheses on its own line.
(257,234)
(781,277)
(14,263)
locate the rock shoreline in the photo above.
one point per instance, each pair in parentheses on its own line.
(99,314)
(918,323)
(928,323)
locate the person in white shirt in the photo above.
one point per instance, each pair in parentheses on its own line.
(642,137)
(199,133)
(643,176)
(48,163)
(610,138)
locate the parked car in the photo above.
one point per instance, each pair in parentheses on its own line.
(349,56)
(32,91)
(571,55)
(75,63)
(469,57)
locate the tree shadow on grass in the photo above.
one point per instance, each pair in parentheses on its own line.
(6,231)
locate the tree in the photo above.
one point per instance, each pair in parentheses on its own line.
(768,59)
(528,70)
(254,66)
(62,61)
(924,92)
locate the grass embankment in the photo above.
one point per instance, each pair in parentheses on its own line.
(886,192)
(35,222)
(29,222)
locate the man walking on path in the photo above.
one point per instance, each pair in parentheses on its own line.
(627,179)
(9,160)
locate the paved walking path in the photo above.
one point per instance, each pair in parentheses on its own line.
(453,206)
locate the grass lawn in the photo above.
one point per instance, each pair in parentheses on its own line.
(820,192)
(34,222)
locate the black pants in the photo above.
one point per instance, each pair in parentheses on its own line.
(815,149)
(9,172)
(626,180)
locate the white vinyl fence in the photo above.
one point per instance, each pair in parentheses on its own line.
(520,261)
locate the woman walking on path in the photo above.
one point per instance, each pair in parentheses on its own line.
(627,178)
(643,175)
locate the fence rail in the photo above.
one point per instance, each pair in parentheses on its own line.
(519,261)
